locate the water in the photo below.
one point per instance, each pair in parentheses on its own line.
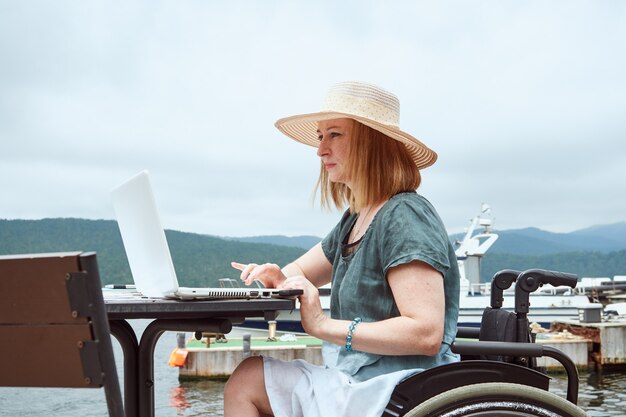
(601,394)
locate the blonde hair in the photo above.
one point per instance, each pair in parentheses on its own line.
(379,167)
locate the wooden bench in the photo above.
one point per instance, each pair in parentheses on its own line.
(54,330)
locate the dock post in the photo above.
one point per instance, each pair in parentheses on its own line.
(271,328)
(246,346)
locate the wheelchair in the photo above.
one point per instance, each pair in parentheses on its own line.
(497,374)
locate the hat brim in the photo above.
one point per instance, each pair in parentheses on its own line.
(303,128)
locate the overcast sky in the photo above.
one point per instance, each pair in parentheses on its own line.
(525,103)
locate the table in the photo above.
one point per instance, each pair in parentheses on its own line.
(172,315)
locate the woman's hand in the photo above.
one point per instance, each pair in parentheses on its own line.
(270,275)
(311,314)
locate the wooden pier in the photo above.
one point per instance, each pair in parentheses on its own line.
(576,348)
(607,340)
(220,359)
(587,344)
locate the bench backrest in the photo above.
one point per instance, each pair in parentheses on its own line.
(54,330)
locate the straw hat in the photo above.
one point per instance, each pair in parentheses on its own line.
(365,103)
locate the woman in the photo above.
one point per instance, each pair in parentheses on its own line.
(395,280)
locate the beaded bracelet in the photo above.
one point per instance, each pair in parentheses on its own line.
(351,328)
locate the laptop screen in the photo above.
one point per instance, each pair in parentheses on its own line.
(143,236)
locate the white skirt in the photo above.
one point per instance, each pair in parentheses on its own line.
(300,389)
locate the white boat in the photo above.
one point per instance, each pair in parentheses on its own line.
(616,310)
(547,304)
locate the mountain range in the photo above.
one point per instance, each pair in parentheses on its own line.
(201,260)
(533,241)
(527,241)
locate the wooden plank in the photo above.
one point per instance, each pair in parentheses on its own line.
(33,289)
(613,344)
(576,349)
(42,356)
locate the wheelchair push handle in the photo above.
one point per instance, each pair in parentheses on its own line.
(501,281)
(531,279)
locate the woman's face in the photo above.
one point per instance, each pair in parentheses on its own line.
(335,136)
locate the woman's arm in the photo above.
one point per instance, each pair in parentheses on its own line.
(313,265)
(418,291)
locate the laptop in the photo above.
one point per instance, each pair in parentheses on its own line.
(149,255)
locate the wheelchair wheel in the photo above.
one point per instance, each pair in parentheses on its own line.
(496,399)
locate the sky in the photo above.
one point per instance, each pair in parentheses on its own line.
(524,102)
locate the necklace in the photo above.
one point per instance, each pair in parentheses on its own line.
(357,227)
(371,211)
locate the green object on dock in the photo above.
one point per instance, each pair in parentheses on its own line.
(256,342)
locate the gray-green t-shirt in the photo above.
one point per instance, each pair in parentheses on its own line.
(405,229)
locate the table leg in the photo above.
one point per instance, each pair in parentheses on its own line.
(148,342)
(125,335)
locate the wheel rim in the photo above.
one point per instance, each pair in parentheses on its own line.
(496,399)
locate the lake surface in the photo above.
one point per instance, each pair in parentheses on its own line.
(601,394)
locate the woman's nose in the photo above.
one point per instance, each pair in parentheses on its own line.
(323,148)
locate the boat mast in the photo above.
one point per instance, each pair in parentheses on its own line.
(473,247)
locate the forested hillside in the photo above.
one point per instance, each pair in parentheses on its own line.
(583,264)
(199,260)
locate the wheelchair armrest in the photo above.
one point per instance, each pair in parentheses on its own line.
(468,332)
(467,347)
(523,349)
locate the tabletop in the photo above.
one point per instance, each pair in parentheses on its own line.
(154,308)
